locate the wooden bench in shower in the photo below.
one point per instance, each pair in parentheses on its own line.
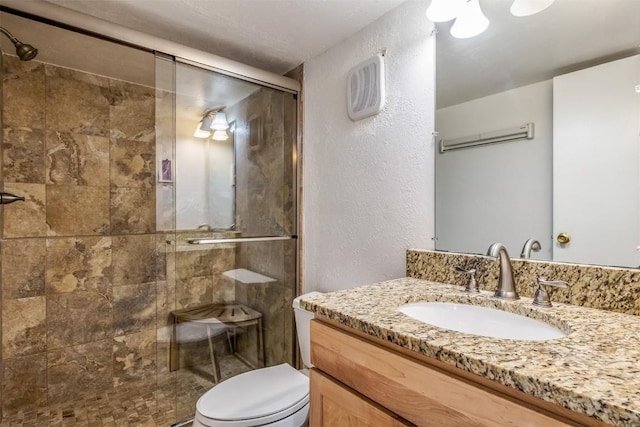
(213,318)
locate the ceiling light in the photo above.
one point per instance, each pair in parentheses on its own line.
(200,133)
(444,10)
(470,21)
(529,7)
(220,121)
(220,135)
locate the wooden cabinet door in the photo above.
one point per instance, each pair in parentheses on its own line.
(333,405)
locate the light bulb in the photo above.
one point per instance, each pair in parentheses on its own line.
(220,121)
(220,135)
(470,21)
(529,7)
(199,133)
(444,10)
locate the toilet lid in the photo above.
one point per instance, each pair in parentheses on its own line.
(255,394)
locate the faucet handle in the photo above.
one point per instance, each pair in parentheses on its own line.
(541,298)
(472,284)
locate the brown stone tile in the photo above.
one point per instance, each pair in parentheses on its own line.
(23,262)
(23,155)
(75,159)
(134,308)
(77,318)
(165,249)
(53,71)
(204,262)
(224,290)
(274,302)
(80,371)
(193,292)
(163,349)
(74,105)
(73,210)
(194,263)
(134,357)
(78,264)
(134,259)
(24,384)
(23,93)
(28,218)
(132,163)
(132,111)
(23,326)
(165,303)
(133,210)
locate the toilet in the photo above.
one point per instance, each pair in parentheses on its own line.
(277,396)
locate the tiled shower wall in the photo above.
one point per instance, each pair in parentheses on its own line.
(265,206)
(83,289)
(88,284)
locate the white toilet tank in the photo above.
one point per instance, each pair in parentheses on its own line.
(303,328)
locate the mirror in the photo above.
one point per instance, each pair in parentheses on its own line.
(205,165)
(519,71)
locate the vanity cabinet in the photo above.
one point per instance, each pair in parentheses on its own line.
(358,380)
(334,405)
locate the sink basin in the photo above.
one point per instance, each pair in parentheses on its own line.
(482,321)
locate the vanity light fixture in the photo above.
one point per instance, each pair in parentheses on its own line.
(529,7)
(444,10)
(214,119)
(220,121)
(199,133)
(220,135)
(470,21)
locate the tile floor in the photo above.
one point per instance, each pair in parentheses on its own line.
(139,405)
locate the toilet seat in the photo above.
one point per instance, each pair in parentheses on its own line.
(255,398)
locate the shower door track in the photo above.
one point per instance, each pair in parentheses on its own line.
(205,241)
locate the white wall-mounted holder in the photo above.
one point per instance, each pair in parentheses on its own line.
(366,89)
(525,131)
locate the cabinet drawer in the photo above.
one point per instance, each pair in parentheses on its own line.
(412,389)
(334,405)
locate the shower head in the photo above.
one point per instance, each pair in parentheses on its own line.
(25,52)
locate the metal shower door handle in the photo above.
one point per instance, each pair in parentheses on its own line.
(205,241)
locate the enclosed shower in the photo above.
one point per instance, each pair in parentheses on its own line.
(152,252)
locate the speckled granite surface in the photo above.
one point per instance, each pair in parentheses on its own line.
(605,288)
(594,370)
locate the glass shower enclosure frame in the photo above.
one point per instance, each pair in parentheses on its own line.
(229,211)
(130,296)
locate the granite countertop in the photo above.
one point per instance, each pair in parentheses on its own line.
(594,370)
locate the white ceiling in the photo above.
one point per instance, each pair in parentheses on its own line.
(515,51)
(275,35)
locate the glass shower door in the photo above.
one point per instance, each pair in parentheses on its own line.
(231,251)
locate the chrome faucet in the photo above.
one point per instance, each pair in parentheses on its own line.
(530,245)
(506,283)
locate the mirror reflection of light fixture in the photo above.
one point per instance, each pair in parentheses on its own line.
(220,121)
(213,119)
(444,10)
(470,21)
(220,135)
(529,7)
(199,133)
